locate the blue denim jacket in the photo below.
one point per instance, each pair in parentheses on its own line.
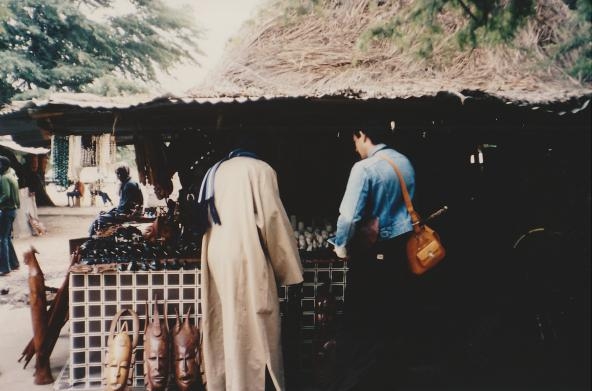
(373,189)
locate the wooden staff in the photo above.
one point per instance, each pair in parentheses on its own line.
(38,305)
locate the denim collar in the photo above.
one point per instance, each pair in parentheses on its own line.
(377,147)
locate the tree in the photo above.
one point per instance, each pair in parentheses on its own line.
(66,45)
(491,22)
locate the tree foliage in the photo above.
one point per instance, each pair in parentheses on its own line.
(66,45)
(489,22)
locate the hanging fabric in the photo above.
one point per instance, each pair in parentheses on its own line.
(105,157)
(88,151)
(59,158)
(75,157)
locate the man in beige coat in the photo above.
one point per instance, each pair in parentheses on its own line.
(248,250)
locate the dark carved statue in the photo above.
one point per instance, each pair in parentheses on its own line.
(156,351)
(120,353)
(38,304)
(186,341)
(324,335)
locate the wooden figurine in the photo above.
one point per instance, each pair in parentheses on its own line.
(38,304)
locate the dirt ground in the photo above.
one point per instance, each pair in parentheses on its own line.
(62,224)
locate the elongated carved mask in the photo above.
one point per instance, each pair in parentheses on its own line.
(156,351)
(185,352)
(120,354)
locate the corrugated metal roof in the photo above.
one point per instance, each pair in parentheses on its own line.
(88,101)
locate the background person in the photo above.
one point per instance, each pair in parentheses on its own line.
(9,203)
(95,190)
(248,250)
(376,297)
(104,197)
(77,192)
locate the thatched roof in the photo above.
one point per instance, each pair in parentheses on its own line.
(293,50)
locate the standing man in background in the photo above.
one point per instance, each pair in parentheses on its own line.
(9,203)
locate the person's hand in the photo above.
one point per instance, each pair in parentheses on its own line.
(341,252)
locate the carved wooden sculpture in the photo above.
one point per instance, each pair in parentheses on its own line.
(120,353)
(156,351)
(186,342)
(57,317)
(38,304)
(324,335)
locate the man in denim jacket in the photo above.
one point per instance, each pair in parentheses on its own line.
(377,280)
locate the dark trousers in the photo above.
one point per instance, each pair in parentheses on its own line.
(106,219)
(376,314)
(73,194)
(8,258)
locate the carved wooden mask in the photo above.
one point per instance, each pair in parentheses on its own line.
(185,353)
(156,351)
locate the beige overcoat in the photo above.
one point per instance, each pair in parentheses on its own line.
(243,261)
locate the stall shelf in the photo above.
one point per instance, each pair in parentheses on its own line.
(95,297)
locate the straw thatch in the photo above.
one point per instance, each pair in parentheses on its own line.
(316,48)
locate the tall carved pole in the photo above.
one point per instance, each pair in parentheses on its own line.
(38,304)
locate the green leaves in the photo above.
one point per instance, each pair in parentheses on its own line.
(55,44)
(422,26)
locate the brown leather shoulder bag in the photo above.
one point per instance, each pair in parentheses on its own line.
(424,247)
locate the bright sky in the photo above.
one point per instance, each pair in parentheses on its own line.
(219,20)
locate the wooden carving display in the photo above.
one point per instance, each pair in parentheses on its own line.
(38,304)
(120,358)
(324,335)
(186,343)
(156,351)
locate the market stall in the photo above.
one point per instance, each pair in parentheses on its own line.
(124,270)
(467,155)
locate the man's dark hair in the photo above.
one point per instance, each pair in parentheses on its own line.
(377,131)
(247,139)
(122,171)
(4,164)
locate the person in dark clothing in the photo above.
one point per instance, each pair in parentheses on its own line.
(130,204)
(9,203)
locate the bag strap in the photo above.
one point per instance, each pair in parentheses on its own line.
(414,216)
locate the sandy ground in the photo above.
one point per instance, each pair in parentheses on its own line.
(62,224)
